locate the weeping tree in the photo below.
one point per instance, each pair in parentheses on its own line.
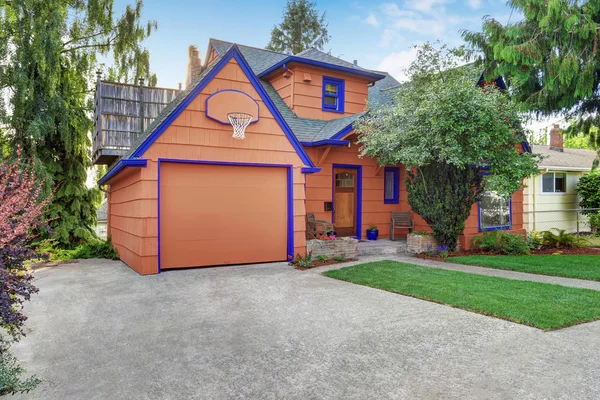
(550,59)
(445,129)
(49,52)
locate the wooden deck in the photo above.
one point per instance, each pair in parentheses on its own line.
(121,113)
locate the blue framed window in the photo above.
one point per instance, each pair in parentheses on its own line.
(333,94)
(495,212)
(391,185)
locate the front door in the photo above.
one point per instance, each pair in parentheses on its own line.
(344,201)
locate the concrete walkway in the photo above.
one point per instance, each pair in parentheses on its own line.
(522,276)
(97,330)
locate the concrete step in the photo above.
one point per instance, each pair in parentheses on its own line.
(381,247)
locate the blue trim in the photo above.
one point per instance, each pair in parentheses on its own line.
(233,52)
(495,228)
(230,90)
(215,49)
(339,97)
(326,142)
(343,133)
(290,194)
(358,215)
(310,171)
(396,198)
(320,64)
(120,166)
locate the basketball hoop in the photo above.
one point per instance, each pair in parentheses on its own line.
(239,121)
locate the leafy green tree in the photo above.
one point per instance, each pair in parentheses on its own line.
(49,52)
(302,27)
(550,59)
(444,129)
(588,189)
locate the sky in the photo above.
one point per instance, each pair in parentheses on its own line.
(380,35)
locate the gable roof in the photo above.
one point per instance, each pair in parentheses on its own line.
(568,159)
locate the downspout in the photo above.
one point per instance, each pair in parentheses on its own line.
(293,92)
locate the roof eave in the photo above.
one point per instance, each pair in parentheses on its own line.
(121,165)
(299,60)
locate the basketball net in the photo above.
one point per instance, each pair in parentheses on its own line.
(239,121)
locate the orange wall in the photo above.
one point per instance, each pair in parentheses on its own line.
(211,56)
(304,96)
(131,204)
(374,211)
(193,136)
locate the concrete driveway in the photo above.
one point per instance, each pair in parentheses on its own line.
(97,330)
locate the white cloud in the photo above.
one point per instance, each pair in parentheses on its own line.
(372,20)
(474,4)
(396,63)
(425,6)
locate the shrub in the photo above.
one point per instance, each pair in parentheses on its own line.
(595,223)
(561,239)
(588,188)
(22,211)
(304,262)
(489,241)
(513,245)
(501,242)
(323,258)
(338,258)
(97,249)
(534,240)
(92,249)
(372,228)
(10,379)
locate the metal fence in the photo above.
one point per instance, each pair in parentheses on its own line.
(571,220)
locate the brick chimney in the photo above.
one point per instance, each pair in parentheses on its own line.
(556,138)
(194,67)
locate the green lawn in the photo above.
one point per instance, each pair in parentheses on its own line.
(540,305)
(569,266)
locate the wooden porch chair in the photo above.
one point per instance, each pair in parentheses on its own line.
(401,220)
(316,227)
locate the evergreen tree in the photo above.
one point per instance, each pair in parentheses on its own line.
(49,52)
(550,59)
(301,28)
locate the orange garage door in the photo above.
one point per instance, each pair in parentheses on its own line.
(220,214)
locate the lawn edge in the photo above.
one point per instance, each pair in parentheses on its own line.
(450,261)
(458,307)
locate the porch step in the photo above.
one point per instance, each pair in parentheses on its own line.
(381,247)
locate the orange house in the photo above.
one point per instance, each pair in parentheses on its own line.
(188,194)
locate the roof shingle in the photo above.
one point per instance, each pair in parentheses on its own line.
(578,159)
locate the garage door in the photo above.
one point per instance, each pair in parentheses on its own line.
(221,215)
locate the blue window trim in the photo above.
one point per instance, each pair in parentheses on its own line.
(358,169)
(495,228)
(340,83)
(290,195)
(396,198)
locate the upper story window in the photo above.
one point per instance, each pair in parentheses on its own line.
(333,94)
(391,185)
(554,182)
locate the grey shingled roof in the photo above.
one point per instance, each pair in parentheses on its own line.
(384,90)
(305,129)
(568,158)
(102,212)
(258,59)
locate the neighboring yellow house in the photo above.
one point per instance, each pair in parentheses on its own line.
(550,198)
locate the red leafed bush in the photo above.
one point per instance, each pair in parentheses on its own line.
(21,213)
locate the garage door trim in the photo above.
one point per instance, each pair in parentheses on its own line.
(290,193)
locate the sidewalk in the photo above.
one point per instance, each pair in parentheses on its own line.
(523,276)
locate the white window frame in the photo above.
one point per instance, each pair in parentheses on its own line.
(554,193)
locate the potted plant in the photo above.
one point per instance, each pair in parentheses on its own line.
(372,232)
